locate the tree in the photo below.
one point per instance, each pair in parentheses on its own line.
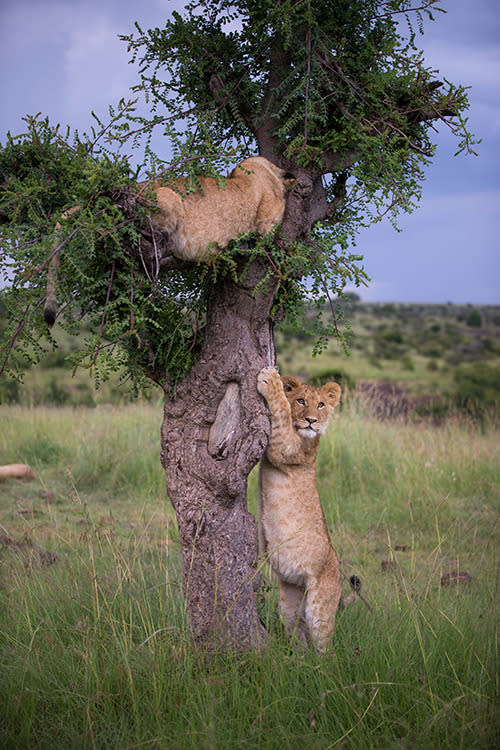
(327,89)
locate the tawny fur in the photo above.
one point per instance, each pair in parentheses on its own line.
(292,524)
(201,223)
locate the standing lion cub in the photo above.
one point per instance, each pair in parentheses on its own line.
(292,523)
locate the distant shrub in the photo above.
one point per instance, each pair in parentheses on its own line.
(478,388)
(389,309)
(9,391)
(291,332)
(389,344)
(474,319)
(82,396)
(54,394)
(490,346)
(407,363)
(352,297)
(341,377)
(436,341)
(56,358)
(435,408)
(430,349)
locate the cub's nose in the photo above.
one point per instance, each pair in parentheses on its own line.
(311,420)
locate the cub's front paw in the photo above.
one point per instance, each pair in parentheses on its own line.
(266,378)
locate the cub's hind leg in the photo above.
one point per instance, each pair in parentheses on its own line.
(321,604)
(292,607)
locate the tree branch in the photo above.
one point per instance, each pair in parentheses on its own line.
(429,109)
(338,162)
(279,65)
(321,208)
(223,96)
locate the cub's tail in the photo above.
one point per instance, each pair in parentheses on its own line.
(50,307)
(355,583)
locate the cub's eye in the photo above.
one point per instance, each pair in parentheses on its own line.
(301,401)
(320,405)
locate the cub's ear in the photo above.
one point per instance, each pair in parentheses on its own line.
(331,393)
(290,383)
(289,180)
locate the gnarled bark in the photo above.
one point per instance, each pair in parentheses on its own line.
(214,431)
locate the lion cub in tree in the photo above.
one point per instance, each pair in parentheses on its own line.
(200,223)
(292,523)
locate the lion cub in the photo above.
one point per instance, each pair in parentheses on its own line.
(200,223)
(292,523)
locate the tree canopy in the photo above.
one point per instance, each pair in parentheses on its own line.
(335,91)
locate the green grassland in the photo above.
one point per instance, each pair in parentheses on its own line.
(93,639)
(94,646)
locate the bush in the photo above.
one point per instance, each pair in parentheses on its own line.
(9,391)
(474,319)
(389,344)
(407,363)
(57,358)
(478,388)
(431,349)
(341,377)
(54,394)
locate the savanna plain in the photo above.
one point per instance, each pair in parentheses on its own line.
(94,644)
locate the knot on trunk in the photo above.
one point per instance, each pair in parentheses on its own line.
(303,187)
(224,429)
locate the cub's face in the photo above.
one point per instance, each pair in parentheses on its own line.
(311,407)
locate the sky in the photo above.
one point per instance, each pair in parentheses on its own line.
(64,58)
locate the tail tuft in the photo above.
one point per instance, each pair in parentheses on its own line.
(355,582)
(50,313)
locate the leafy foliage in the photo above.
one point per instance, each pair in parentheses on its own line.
(316,79)
(478,388)
(98,280)
(328,89)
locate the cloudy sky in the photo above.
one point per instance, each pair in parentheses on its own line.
(63,58)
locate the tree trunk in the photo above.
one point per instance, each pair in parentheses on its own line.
(214,431)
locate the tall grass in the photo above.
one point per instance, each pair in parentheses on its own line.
(94,647)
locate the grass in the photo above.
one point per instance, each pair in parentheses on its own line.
(94,647)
